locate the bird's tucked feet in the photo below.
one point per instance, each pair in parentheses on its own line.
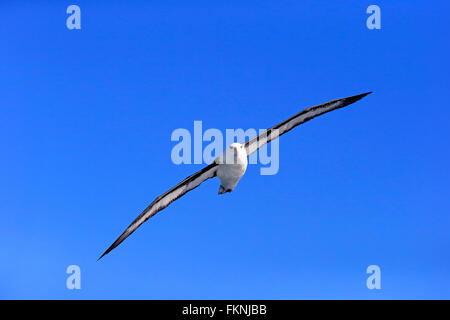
(222,190)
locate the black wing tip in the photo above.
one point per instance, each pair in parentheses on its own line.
(119,240)
(357,97)
(114,245)
(106,252)
(365,94)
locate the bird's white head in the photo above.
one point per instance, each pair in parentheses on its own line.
(239,149)
(236,146)
(234,153)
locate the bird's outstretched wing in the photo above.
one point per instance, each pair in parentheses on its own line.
(270,134)
(165,199)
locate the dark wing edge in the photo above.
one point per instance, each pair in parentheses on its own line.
(161,202)
(310,113)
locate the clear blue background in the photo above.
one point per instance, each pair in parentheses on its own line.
(86,119)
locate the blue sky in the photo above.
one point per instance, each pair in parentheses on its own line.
(85,137)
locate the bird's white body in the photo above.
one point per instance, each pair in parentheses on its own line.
(232,165)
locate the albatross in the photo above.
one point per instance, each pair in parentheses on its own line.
(231,165)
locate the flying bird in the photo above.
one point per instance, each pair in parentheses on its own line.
(231,165)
